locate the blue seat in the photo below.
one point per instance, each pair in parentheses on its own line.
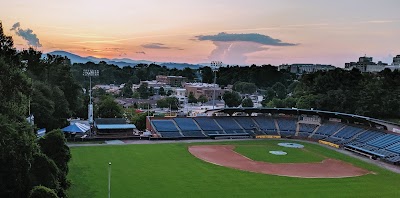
(229,125)
(164,126)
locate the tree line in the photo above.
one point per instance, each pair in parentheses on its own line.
(30,167)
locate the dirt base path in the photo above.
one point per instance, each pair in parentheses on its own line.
(226,156)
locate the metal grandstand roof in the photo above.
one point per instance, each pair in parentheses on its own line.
(116,126)
(296,111)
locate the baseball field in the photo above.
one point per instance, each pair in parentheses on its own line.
(170,170)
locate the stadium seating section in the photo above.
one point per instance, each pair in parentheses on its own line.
(356,138)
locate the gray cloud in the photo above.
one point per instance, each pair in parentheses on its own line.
(142,52)
(27,35)
(155,46)
(15,26)
(250,37)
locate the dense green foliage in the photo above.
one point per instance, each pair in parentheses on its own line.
(202,99)
(232,99)
(171,171)
(168,102)
(42,192)
(191,98)
(139,120)
(245,87)
(374,95)
(25,164)
(108,108)
(56,94)
(247,102)
(262,76)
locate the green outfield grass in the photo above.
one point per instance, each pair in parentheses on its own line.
(169,170)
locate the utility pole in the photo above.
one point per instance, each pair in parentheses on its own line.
(215,65)
(90,73)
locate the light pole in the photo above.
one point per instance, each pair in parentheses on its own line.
(215,65)
(109,179)
(90,73)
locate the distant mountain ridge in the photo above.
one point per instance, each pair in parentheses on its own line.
(122,62)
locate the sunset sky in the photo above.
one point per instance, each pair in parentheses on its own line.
(232,31)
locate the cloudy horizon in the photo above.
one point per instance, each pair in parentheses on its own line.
(234,32)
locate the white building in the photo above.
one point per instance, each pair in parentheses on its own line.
(180,94)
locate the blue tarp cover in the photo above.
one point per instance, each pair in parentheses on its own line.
(76,128)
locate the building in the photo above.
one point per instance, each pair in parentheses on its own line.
(305,68)
(205,89)
(396,60)
(156,85)
(114,127)
(181,95)
(366,64)
(113,89)
(174,81)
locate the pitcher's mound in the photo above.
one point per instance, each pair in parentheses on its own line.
(226,156)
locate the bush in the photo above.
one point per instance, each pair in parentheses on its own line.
(42,192)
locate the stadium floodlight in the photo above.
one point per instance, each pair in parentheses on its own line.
(215,65)
(90,73)
(109,179)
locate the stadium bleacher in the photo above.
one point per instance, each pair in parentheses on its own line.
(229,125)
(166,128)
(384,141)
(188,127)
(208,125)
(305,130)
(372,142)
(327,129)
(267,125)
(248,125)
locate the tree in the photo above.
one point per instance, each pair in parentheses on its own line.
(280,90)
(108,108)
(247,102)
(168,102)
(140,120)
(290,102)
(245,87)
(161,91)
(16,156)
(42,192)
(54,146)
(268,96)
(276,103)
(207,75)
(143,91)
(127,90)
(17,139)
(151,91)
(191,98)
(188,73)
(232,99)
(44,172)
(202,99)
